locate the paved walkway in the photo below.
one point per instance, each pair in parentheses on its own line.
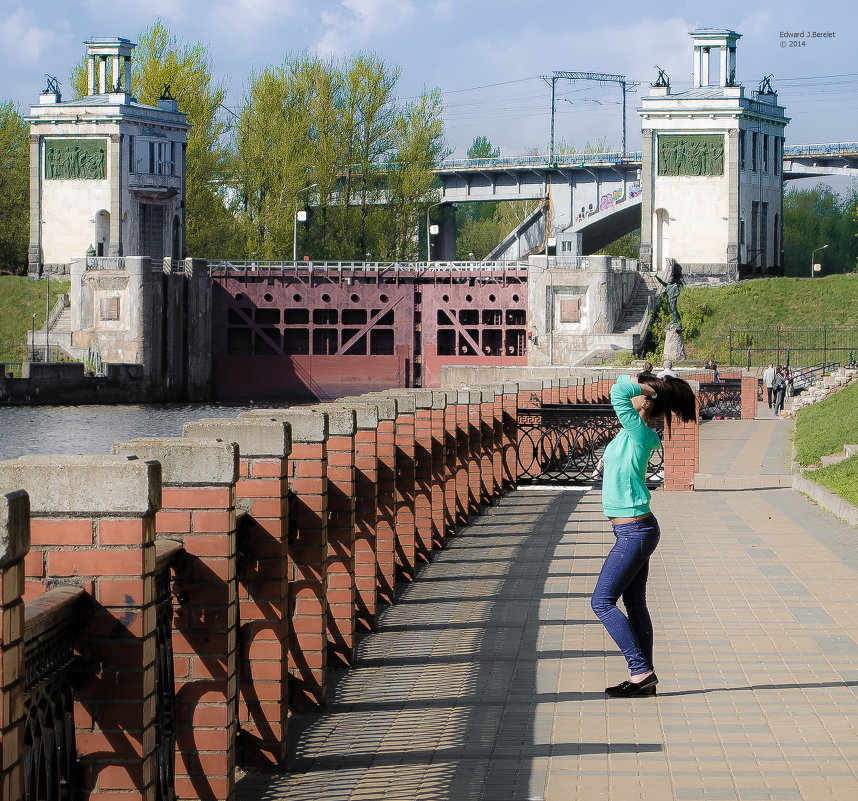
(485,681)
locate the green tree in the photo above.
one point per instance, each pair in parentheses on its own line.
(14,189)
(412,186)
(335,124)
(815,217)
(481,148)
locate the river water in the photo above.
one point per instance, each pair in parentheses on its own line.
(94,429)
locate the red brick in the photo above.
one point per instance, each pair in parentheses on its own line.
(272,468)
(122,532)
(126,592)
(259,488)
(103,562)
(172,522)
(206,521)
(196,497)
(270,508)
(60,531)
(34,564)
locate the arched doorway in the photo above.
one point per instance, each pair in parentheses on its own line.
(102,232)
(662,239)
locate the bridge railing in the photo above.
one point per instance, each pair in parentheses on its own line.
(232,265)
(829,149)
(539,161)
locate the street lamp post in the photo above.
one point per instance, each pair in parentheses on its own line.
(812,255)
(295,222)
(33,340)
(428,241)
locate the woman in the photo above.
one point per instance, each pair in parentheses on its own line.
(779,385)
(625,501)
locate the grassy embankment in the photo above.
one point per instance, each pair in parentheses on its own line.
(708,312)
(19,299)
(824,428)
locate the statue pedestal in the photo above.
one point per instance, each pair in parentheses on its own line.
(674,346)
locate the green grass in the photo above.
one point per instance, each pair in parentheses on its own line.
(840,478)
(19,298)
(709,312)
(825,427)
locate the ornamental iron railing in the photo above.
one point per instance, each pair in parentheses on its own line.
(167,552)
(721,399)
(50,755)
(562,443)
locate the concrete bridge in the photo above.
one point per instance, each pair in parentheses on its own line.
(590,199)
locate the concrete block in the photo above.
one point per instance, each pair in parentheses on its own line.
(439,399)
(342,420)
(92,485)
(366,415)
(386,407)
(306,424)
(254,437)
(14,527)
(186,461)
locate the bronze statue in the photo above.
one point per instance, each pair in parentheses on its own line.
(671,289)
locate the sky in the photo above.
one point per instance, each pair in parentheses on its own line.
(486,56)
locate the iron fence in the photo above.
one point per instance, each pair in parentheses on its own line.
(756,347)
(562,444)
(721,399)
(50,754)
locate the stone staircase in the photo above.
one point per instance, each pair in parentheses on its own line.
(59,334)
(645,298)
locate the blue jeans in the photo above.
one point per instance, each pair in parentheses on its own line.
(624,575)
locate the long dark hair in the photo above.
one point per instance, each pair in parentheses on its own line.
(674,397)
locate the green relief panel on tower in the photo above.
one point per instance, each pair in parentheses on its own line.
(76,159)
(694,154)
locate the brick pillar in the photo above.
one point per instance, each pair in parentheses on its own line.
(439,469)
(93,525)
(342,428)
(497,442)
(406,533)
(385,531)
(366,515)
(749,396)
(682,452)
(261,573)
(423,472)
(487,445)
(451,462)
(510,436)
(14,544)
(463,457)
(198,509)
(308,552)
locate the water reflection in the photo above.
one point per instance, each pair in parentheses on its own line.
(94,429)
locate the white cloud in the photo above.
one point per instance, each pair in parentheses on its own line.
(24,41)
(357,23)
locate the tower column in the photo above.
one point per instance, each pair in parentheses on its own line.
(102,75)
(704,66)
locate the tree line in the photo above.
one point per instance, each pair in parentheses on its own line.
(330,135)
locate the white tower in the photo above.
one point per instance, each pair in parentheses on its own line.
(711,173)
(107,174)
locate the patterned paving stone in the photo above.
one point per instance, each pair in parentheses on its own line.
(485,682)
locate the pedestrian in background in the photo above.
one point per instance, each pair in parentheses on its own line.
(779,386)
(769,381)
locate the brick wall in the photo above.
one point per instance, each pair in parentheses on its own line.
(14,544)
